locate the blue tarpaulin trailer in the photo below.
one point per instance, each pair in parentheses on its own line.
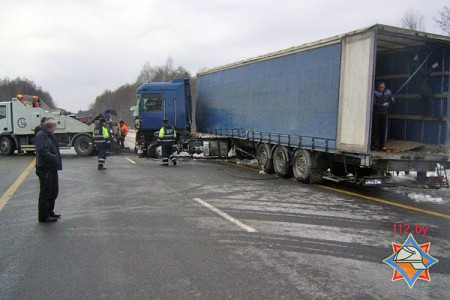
(309,109)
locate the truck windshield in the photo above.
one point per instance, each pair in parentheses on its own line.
(151,102)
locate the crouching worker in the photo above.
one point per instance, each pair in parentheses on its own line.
(48,163)
(102,140)
(167,137)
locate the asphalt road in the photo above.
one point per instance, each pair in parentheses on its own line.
(142,231)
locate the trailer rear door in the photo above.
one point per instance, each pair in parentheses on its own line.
(355,95)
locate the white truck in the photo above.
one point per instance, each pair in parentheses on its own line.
(20,116)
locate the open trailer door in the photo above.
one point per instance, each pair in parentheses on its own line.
(355,95)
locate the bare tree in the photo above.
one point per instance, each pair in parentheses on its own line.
(444,20)
(146,73)
(413,20)
(163,73)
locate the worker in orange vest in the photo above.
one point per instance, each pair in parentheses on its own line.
(123,128)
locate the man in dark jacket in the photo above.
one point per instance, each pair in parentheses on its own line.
(39,127)
(382,99)
(48,163)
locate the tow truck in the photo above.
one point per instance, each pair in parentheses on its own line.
(22,114)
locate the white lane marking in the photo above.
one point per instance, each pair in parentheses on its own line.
(225,215)
(131,161)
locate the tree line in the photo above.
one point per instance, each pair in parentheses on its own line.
(11,88)
(122,98)
(412,19)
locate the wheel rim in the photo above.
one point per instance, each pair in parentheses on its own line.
(158,151)
(280,160)
(263,157)
(301,164)
(84,145)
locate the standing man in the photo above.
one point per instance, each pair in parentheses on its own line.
(382,99)
(167,136)
(102,140)
(39,127)
(48,163)
(123,128)
(422,82)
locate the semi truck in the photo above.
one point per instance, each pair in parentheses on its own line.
(307,111)
(20,116)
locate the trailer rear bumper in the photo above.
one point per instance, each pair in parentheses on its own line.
(408,161)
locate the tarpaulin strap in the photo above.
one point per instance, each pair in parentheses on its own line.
(414,73)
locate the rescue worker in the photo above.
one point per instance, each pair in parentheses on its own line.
(421,81)
(48,163)
(167,137)
(102,140)
(382,99)
(123,128)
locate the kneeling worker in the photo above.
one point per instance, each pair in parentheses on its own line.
(167,136)
(102,140)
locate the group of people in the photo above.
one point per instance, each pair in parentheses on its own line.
(48,158)
(103,136)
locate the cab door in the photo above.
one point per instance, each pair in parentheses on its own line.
(5,117)
(170,104)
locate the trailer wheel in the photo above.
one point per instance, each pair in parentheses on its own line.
(83,145)
(281,162)
(306,167)
(301,165)
(264,160)
(7,146)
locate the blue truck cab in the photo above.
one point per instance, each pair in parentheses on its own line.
(156,101)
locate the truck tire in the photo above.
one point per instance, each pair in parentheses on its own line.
(306,167)
(7,146)
(84,146)
(282,162)
(154,150)
(264,160)
(301,165)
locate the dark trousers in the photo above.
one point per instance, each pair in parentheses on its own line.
(49,189)
(101,150)
(167,153)
(378,131)
(121,139)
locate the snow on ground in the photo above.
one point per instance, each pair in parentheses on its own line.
(425,198)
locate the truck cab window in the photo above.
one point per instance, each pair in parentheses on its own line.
(2,112)
(152,102)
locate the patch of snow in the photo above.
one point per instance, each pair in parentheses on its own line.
(424,198)
(248,162)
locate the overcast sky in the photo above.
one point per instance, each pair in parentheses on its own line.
(76,49)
